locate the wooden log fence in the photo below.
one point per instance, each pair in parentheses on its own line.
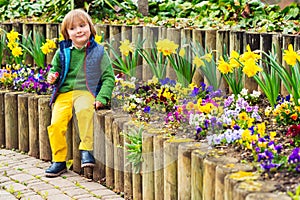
(210,39)
(172,168)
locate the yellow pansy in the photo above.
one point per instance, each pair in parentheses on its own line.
(290,56)
(272,135)
(261,128)
(243,116)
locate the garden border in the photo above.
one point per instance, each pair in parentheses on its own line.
(173,168)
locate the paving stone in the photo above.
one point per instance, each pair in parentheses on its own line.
(4,195)
(60,182)
(75,191)
(22,177)
(35,171)
(103,193)
(59,196)
(92,185)
(33,197)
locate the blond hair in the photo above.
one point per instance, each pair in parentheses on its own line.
(74,15)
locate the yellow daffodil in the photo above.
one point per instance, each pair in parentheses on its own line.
(208,57)
(248,55)
(166,46)
(17,51)
(182,52)
(98,39)
(224,67)
(198,62)
(126,47)
(12,36)
(61,37)
(233,61)
(51,43)
(45,49)
(251,68)
(290,56)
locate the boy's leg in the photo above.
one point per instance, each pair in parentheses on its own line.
(61,115)
(84,110)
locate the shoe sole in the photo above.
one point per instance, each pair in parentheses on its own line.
(51,175)
(88,165)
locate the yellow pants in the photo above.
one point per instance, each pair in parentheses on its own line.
(83,103)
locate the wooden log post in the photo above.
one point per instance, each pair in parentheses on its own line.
(297,43)
(137,189)
(210,46)
(128,187)
(232,179)
(11,120)
(44,122)
(210,164)
(51,33)
(103,30)
(2,118)
(253,39)
(162,33)
(109,153)
(171,164)
(27,33)
(242,189)
(118,141)
(137,36)
(264,196)
(76,151)
(222,47)
(23,125)
(185,43)
(126,34)
(151,35)
(33,122)
(287,40)
(148,166)
(39,29)
(198,36)
(197,171)
(99,144)
(7,27)
(221,171)
(114,39)
(266,46)
(158,147)
(173,34)
(184,168)
(236,39)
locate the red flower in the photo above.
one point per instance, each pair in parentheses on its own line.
(293,131)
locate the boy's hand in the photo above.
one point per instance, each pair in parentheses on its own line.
(52,77)
(98,105)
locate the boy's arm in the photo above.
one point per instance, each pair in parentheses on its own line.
(107,80)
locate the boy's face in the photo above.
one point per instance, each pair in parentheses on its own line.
(79,32)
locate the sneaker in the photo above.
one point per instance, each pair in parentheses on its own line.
(56,169)
(87,159)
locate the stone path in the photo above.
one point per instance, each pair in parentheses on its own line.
(22,177)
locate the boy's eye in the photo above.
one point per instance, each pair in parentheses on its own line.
(82,25)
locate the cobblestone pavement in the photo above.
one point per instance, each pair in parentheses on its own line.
(22,177)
